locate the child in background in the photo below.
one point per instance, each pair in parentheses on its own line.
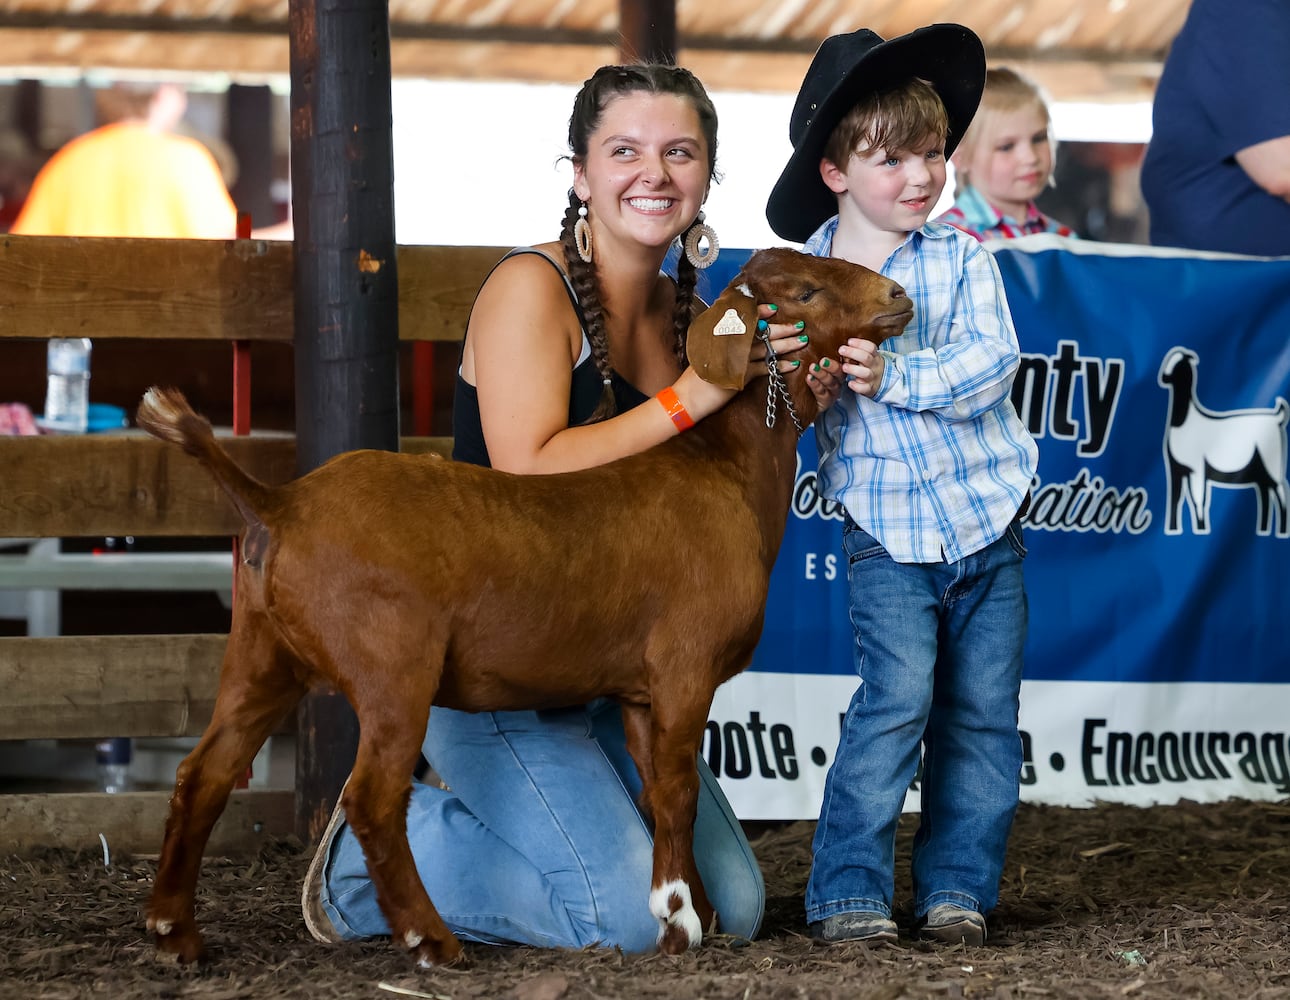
(1004,163)
(932,465)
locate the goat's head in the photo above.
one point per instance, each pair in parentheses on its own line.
(836,299)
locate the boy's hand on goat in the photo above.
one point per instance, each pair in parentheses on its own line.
(862,362)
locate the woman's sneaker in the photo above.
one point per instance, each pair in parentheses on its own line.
(868,926)
(317,922)
(952,924)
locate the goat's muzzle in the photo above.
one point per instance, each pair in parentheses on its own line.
(891,324)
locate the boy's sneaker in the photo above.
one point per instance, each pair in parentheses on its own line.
(952,924)
(868,926)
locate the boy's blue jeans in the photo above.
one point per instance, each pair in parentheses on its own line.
(939,651)
(540,841)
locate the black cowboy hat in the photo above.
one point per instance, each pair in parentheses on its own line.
(845,69)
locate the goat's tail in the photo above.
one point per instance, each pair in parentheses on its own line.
(166,414)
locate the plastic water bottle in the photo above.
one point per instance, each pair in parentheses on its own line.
(67,389)
(114,764)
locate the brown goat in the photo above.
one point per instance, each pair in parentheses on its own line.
(662,561)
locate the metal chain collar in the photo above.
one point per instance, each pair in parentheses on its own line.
(776,384)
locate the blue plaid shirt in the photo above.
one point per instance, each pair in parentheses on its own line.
(937,463)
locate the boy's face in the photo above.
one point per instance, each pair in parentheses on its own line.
(892,191)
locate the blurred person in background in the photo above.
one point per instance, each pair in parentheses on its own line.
(134,176)
(1005,162)
(1217,170)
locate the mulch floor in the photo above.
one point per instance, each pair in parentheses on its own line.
(1178,901)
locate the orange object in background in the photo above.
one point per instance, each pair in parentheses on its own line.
(129,179)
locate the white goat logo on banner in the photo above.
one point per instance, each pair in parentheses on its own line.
(1236,448)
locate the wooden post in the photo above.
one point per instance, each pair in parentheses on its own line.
(250,132)
(648,29)
(346,297)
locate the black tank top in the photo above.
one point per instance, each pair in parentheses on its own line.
(584,391)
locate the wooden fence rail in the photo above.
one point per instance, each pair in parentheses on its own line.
(131,484)
(62,286)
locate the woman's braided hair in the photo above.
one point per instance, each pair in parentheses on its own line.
(607,83)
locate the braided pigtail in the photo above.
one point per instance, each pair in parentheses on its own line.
(583,277)
(687,277)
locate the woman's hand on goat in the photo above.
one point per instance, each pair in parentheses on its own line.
(785,338)
(825,379)
(824,376)
(862,362)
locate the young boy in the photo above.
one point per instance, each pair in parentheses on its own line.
(932,465)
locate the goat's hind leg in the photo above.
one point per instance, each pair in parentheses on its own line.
(670,774)
(392,721)
(257,688)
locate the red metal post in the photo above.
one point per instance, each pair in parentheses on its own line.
(423,388)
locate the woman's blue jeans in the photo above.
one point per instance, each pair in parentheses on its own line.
(938,649)
(539,841)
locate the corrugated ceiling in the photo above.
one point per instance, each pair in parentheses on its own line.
(1094,49)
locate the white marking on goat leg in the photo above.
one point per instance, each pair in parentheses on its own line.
(683,915)
(412,939)
(164,927)
(744,289)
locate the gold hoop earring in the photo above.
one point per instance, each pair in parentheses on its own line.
(698,232)
(582,234)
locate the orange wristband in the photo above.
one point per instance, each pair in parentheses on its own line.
(675,408)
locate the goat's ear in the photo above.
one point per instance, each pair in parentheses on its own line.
(721,338)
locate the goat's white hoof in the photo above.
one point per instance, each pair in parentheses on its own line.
(411,939)
(673,905)
(161,927)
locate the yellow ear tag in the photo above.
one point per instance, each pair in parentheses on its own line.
(730,325)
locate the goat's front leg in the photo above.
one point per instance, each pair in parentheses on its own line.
(677,897)
(375,800)
(257,689)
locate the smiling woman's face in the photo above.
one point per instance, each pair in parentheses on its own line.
(645,174)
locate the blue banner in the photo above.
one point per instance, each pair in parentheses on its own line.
(1157,385)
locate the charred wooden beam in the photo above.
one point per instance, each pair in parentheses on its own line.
(648,31)
(346,297)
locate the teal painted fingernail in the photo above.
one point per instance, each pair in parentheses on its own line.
(800,324)
(796,363)
(825,362)
(774,308)
(803,338)
(762,326)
